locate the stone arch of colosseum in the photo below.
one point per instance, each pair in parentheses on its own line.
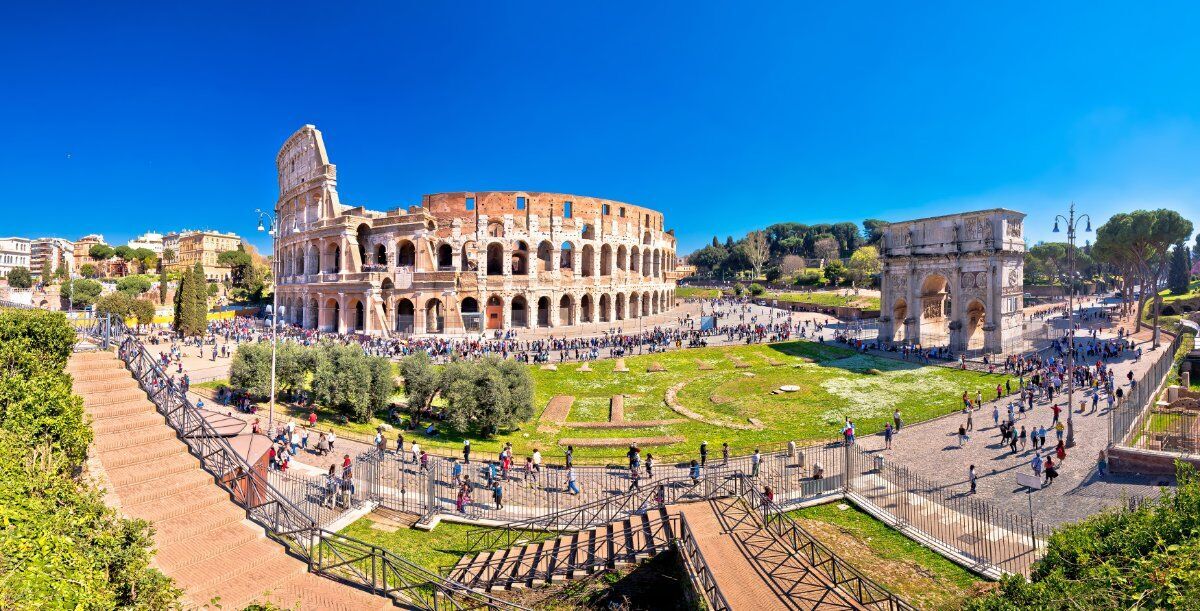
(954,281)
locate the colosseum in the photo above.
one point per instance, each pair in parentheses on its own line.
(462,262)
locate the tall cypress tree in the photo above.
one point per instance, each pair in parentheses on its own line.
(200,300)
(1179,273)
(180,311)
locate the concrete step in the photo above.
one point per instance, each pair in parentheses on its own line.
(123,425)
(124,408)
(93,401)
(191,502)
(314,592)
(134,438)
(148,452)
(240,575)
(141,472)
(181,483)
(205,546)
(184,527)
(107,385)
(83,374)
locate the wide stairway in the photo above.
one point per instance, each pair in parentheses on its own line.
(204,540)
(569,556)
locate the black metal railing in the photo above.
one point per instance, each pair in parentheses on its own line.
(851,581)
(1134,422)
(604,510)
(698,570)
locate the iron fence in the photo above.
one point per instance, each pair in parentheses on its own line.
(943,515)
(1134,422)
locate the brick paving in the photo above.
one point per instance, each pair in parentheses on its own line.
(753,569)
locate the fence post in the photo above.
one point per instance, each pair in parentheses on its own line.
(846,467)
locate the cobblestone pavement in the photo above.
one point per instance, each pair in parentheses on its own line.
(930,449)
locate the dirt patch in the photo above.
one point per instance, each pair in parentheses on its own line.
(614,442)
(557,409)
(672,401)
(703,365)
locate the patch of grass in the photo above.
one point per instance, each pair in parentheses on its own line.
(827,298)
(441,547)
(695,292)
(915,573)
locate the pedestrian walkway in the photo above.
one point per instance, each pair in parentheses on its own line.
(753,569)
(203,541)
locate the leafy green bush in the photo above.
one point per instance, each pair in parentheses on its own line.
(133,285)
(757,289)
(60,546)
(739,289)
(81,291)
(20,278)
(343,377)
(1143,559)
(810,278)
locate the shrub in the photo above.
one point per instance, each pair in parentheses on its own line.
(757,289)
(81,292)
(486,396)
(739,289)
(1148,558)
(20,278)
(60,546)
(133,285)
(810,278)
(115,304)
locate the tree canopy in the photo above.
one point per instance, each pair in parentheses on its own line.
(20,278)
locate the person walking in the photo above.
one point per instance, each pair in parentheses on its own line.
(887,436)
(572,484)
(1102,462)
(995,415)
(1036,464)
(962,435)
(1023,435)
(725,452)
(570,456)
(467,451)
(498,495)
(755,461)
(897,420)
(694,472)
(649,465)
(703,453)
(971,477)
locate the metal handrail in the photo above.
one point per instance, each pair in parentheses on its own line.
(562,560)
(820,557)
(698,568)
(264,504)
(602,511)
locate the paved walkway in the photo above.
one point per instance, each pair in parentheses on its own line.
(930,449)
(753,569)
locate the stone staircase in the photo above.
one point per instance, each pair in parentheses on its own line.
(569,556)
(203,539)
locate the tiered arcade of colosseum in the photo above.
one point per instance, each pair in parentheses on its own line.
(461,262)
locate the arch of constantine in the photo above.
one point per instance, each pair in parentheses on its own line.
(461,262)
(954,281)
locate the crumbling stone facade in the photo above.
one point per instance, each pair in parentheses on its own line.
(464,261)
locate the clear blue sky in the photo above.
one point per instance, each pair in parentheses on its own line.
(726,116)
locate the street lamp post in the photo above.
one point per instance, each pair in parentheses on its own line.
(1072,223)
(273,232)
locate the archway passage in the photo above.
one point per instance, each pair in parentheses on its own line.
(495,313)
(566,311)
(543,312)
(520,312)
(495,259)
(404,316)
(360,317)
(585,309)
(445,257)
(471,317)
(935,311)
(605,308)
(407,255)
(435,321)
(899,314)
(974,334)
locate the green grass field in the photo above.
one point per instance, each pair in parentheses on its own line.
(915,573)
(827,298)
(834,383)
